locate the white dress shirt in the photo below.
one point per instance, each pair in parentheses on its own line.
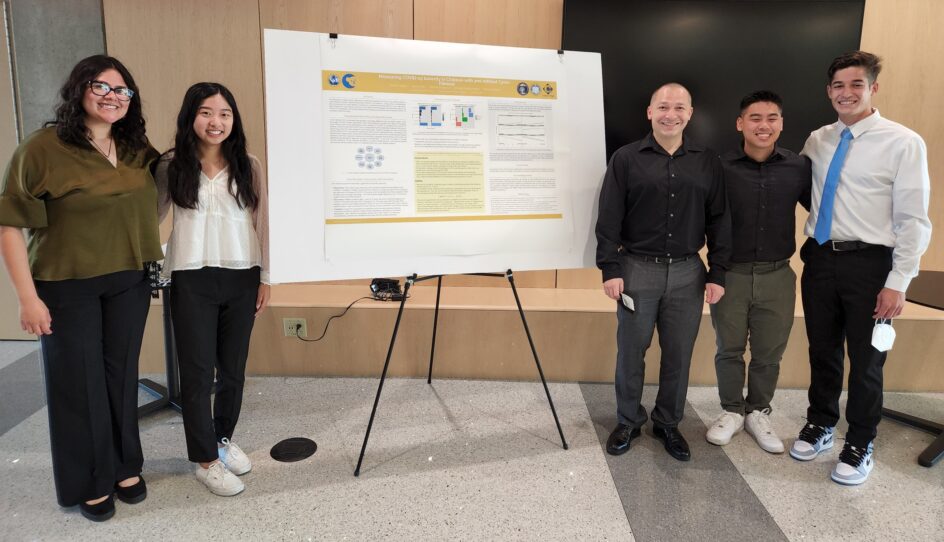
(218,233)
(883,193)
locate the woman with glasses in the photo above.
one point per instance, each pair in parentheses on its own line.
(217,258)
(82,188)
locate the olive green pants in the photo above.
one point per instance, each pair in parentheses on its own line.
(757,308)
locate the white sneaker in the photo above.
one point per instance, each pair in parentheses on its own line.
(757,425)
(219,480)
(725,427)
(235,460)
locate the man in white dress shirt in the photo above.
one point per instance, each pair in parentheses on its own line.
(868,228)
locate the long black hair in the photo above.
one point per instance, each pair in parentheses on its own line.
(183,172)
(70,115)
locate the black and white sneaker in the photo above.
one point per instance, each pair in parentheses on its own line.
(813,439)
(855,464)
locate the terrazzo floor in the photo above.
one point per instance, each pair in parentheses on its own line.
(474,460)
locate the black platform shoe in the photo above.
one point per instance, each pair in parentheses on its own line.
(132,494)
(99,512)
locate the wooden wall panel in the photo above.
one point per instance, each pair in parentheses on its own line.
(583,279)
(171,44)
(9,315)
(518,23)
(151,359)
(903,33)
(382,18)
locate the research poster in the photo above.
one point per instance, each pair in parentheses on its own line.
(392,157)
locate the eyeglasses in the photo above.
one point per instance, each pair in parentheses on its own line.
(101,88)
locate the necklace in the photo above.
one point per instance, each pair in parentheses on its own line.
(105,154)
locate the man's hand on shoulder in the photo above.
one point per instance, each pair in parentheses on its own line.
(613,288)
(713,293)
(889,303)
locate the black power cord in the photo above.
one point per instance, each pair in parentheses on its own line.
(381,290)
(379,296)
(328,323)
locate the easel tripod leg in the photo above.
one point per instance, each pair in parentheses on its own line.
(432,348)
(537,362)
(383,376)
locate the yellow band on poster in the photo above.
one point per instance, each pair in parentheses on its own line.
(403,83)
(393,219)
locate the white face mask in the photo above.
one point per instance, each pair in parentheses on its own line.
(883,335)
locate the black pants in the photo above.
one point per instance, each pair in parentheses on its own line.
(91,369)
(839,296)
(213,311)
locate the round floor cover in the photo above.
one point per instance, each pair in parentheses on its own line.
(293,449)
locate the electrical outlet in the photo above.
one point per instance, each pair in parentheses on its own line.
(295,327)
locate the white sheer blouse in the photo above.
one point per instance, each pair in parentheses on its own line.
(218,233)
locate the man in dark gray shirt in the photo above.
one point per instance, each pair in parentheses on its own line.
(661,197)
(764,183)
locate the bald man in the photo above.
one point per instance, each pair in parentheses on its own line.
(662,197)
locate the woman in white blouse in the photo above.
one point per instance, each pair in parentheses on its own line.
(217,258)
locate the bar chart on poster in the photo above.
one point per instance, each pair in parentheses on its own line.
(391,157)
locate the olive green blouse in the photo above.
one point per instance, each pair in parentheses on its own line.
(86,218)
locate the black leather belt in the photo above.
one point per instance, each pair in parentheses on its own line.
(846,246)
(656,259)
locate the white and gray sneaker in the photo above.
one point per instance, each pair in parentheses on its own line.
(219,480)
(854,465)
(725,427)
(813,439)
(235,460)
(758,426)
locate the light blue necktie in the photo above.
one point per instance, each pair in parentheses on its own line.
(824,220)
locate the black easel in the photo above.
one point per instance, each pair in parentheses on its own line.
(935,451)
(925,290)
(163,396)
(429,378)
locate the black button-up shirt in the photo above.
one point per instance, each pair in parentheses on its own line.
(763,199)
(654,204)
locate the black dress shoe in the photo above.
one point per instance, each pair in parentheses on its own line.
(674,442)
(99,512)
(132,494)
(620,439)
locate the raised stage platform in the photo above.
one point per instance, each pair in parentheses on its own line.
(480,337)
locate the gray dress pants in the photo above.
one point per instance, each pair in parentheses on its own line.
(670,298)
